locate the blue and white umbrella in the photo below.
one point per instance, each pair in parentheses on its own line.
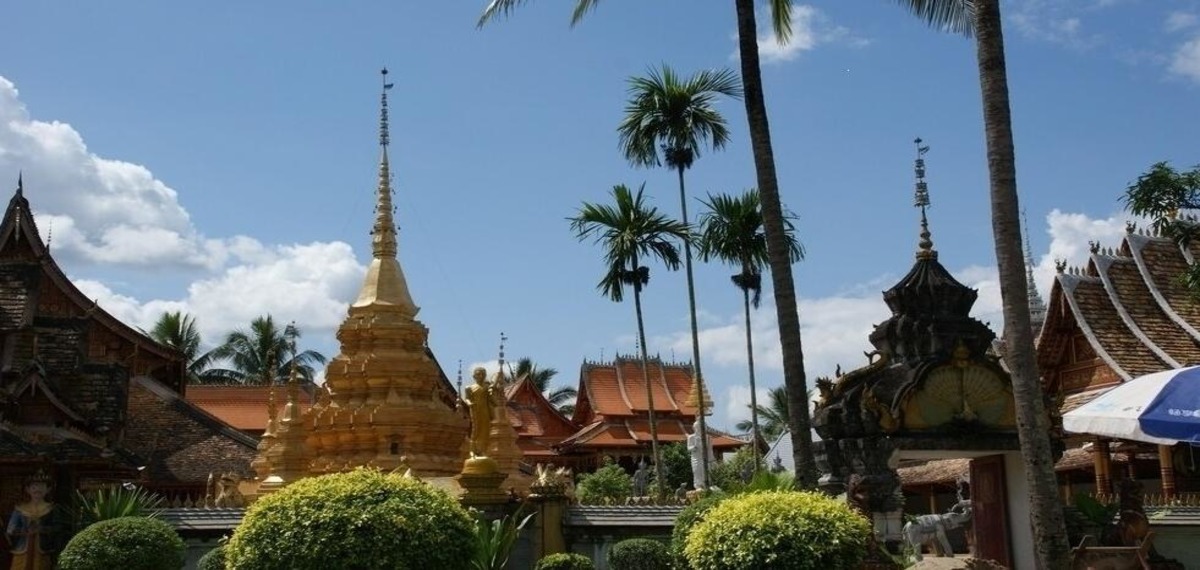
(1163,408)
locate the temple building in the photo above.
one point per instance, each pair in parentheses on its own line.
(1123,314)
(612,414)
(86,398)
(386,402)
(245,407)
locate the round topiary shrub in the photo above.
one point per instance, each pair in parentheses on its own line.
(686,519)
(778,530)
(128,543)
(364,518)
(213,559)
(566,561)
(639,554)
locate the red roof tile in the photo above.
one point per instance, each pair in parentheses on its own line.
(243,407)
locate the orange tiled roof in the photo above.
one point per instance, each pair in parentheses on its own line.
(243,407)
(533,417)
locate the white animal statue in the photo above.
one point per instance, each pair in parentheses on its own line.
(932,529)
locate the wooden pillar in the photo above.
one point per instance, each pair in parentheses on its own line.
(1166,468)
(929,495)
(1101,461)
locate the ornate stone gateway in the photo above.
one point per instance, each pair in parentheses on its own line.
(930,390)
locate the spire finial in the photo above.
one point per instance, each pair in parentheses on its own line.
(921,200)
(459,383)
(1037,307)
(383,242)
(500,374)
(20,183)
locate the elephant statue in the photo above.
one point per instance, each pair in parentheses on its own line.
(932,529)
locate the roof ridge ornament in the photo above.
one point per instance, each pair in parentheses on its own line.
(921,200)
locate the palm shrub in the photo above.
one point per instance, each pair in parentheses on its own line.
(321,522)
(128,543)
(115,502)
(494,540)
(565,561)
(610,484)
(685,520)
(213,559)
(730,475)
(639,554)
(778,530)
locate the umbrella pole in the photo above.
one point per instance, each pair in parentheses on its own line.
(1100,457)
(1166,468)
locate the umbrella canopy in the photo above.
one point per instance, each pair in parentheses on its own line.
(1163,408)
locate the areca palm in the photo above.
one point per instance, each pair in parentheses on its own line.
(631,232)
(540,377)
(178,330)
(676,115)
(774,415)
(783,286)
(732,231)
(264,354)
(982,19)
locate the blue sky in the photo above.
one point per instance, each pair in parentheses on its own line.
(220,158)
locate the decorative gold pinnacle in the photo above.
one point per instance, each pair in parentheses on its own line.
(921,200)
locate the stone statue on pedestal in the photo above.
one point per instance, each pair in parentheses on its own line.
(702,458)
(641,479)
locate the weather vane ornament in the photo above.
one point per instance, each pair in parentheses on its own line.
(921,200)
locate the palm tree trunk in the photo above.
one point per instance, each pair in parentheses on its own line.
(753,392)
(691,287)
(1052,550)
(637,307)
(777,251)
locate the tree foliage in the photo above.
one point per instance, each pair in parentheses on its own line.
(179,331)
(1170,199)
(264,354)
(639,554)
(608,485)
(773,417)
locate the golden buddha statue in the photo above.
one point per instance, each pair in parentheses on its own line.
(480,399)
(34,529)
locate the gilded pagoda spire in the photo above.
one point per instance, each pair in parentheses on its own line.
(384,285)
(921,200)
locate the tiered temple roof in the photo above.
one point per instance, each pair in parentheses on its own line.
(612,407)
(244,407)
(89,394)
(540,426)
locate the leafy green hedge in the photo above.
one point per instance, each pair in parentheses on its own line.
(377,521)
(685,520)
(127,543)
(778,530)
(213,559)
(567,561)
(639,554)
(609,485)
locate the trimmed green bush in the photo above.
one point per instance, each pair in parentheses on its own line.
(685,520)
(639,554)
(778,530)
(364,517)
(128,543)
(565,561)
(212,560)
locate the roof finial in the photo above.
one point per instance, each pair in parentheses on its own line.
(20,183)
(500,374)
(459,383)
(921,200)
(1037,307)
(383,233)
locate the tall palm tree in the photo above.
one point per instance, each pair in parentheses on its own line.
(540,377)
(264,354)
(783,286)
(732,231)
(982,18)
(178,330)
(675,114)
(774,415)
(630,232)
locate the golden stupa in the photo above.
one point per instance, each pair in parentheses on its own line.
(385,402)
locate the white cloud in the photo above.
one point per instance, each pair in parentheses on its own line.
(1056,21)
(102,210)
(1185,62)
(810,28)
(1179,20)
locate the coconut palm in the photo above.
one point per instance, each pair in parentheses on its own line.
(774,416)
(982,19)
(540,377)
(264,354)
(732,231)
(783,286)
(676,115)
(178,331)
(631,231)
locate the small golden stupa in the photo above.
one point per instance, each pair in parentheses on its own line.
(385,402)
